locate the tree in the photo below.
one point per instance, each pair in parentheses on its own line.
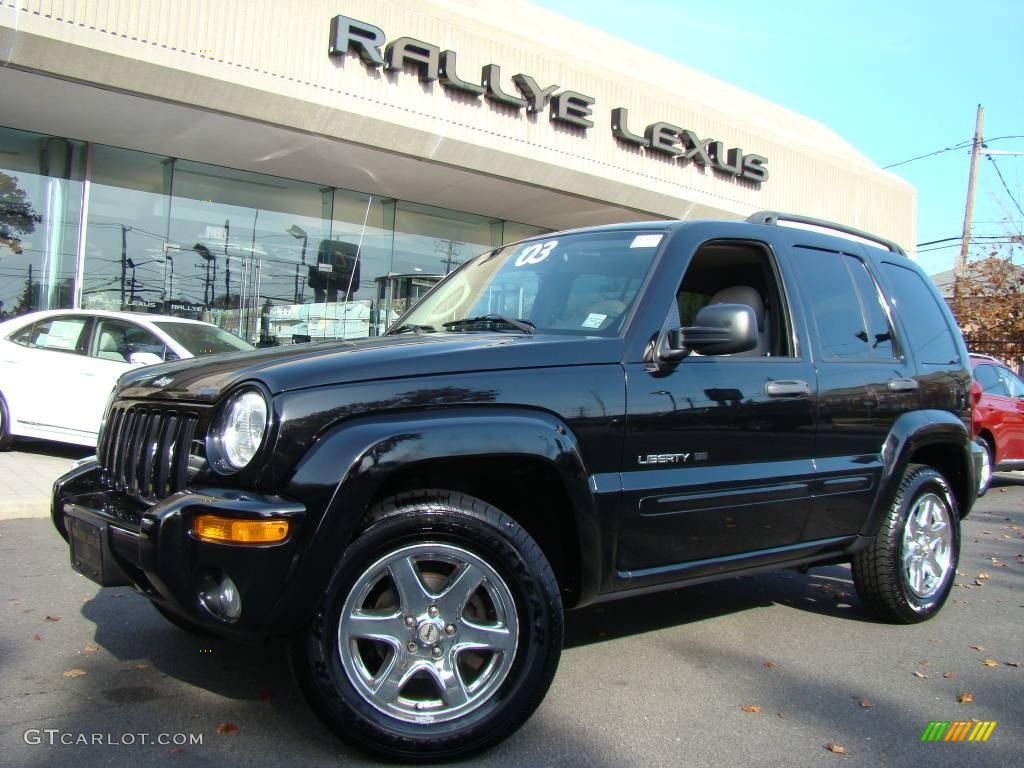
(989,305)
(17,217)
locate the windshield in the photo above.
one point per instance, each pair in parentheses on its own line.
(202,339)
(581,284)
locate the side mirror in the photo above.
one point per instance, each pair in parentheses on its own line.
(720,329)
(144,358)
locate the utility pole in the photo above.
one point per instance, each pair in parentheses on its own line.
(961,265)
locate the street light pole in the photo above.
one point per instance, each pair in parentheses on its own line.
(299,234)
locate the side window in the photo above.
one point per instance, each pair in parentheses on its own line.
(1014,386)
(60,334)
(117,340)
(988,377)
(736,272)
(928,332)
(844,304)
(23,336)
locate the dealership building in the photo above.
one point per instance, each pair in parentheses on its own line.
(287,171)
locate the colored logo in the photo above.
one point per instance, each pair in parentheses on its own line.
(958,730)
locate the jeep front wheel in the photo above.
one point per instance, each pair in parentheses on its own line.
(907,572)
(439,632)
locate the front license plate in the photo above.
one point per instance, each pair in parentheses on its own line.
(86,548)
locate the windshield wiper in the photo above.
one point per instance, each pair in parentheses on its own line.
(412,327)
(523,325)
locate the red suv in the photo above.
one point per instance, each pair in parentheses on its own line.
(998,415)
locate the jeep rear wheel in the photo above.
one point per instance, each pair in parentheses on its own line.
(907,572)
(438,633)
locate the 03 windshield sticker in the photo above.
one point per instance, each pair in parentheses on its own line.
(536,253)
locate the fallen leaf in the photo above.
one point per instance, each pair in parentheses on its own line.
(835,748)
(949,675)
(865,704)
(228,728)
(979,583)
(1015,663)
(978,648)
(925,663)
(965,698)
(769,665)
(37,637)
(75,672)
(990,663)
(90,649)
(922,675)
(984,575)
(53,618)
(751,708)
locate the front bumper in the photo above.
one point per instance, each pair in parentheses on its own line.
(123,542)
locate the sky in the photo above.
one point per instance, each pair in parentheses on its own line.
(895,78)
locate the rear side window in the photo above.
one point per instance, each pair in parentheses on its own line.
(846,310)
(61,334)
(988,377)
(928,332)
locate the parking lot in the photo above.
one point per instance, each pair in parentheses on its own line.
(782,669)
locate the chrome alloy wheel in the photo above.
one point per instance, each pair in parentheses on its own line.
(985,476)
(428,633)
(927,550)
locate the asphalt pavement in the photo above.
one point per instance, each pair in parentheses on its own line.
(782,669)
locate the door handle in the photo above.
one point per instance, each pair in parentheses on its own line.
(787,388)
(902,385)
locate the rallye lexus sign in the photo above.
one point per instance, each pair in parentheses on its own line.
(566,107)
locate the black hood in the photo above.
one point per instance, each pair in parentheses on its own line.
(382,357)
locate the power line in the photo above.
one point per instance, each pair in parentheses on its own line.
(961,145)
(1008,192)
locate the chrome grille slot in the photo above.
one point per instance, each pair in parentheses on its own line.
(144,450)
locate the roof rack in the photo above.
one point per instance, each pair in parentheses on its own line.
(773,218)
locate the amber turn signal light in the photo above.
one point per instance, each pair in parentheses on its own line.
(231,530)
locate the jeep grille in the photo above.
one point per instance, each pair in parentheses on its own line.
(144,450)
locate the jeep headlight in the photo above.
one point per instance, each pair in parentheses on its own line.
(240,430)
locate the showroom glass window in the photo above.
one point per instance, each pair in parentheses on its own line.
(40,209)
(270,259)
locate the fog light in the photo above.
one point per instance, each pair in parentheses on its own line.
(229,599)
(220,595)
(231,530)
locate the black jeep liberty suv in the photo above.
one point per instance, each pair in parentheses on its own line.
(573,418)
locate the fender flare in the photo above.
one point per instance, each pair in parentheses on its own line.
(341,474)
(910,433)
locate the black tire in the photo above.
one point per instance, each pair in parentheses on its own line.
(517,596)
(6,438)
(985,482)
(884,581)
(184,624)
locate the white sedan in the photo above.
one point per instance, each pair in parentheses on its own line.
(57,367)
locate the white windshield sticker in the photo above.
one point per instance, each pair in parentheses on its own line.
(536,253)
(646,241)
(594,320)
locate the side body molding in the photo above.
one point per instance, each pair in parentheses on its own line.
(916,431)
(346,467)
